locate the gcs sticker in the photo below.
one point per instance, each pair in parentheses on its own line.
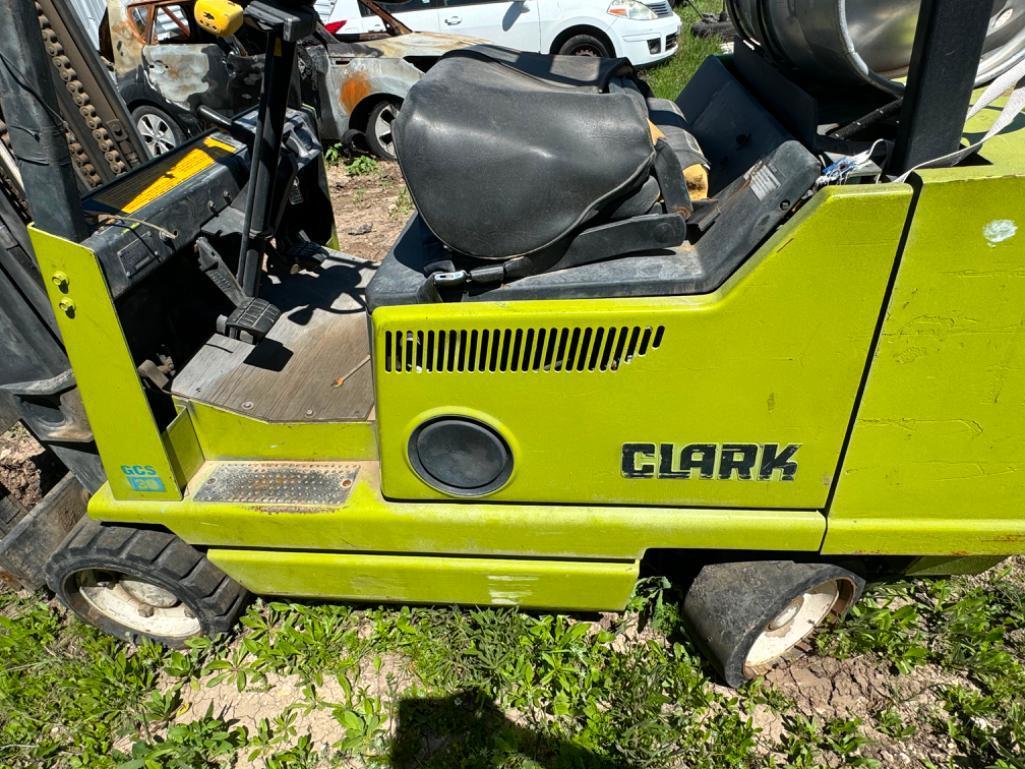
(143,478)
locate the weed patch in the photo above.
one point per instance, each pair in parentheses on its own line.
(364,165)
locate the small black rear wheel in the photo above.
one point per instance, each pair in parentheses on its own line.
(750,615)
(143,583)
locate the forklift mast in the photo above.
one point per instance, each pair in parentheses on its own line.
(57,143)
(72,139)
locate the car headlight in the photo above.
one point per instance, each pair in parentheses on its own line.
(632,9)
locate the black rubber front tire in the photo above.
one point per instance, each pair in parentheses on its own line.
(160,132)
(156,557)
(729,606)
(585,45)
(382,145)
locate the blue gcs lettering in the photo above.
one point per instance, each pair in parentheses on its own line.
(138,470)
(142,478)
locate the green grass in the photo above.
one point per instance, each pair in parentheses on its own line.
(449,688)
(667,79)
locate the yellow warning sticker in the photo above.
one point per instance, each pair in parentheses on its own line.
(142,188)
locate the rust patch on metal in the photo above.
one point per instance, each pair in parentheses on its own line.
(354,90)
(279,509)
(1009,538)
(419,44)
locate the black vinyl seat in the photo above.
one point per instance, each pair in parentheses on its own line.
(757,174)
(514,156)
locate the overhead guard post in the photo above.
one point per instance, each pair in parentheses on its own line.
(948,46)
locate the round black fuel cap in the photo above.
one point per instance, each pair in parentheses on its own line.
(460,456)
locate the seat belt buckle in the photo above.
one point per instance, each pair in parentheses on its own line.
(446,279)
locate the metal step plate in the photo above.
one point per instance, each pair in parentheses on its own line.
(278,483)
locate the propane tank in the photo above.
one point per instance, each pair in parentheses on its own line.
(846,41)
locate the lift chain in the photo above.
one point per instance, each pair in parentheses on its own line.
(68,75)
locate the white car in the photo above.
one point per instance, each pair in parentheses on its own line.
(643,32)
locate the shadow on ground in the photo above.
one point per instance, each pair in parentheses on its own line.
(468,730)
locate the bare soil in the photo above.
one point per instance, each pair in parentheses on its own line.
(370,210)
(27,470)
(377,677)
(827,689)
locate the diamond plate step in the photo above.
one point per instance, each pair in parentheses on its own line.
(278,483)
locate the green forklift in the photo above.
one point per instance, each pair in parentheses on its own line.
(770,334)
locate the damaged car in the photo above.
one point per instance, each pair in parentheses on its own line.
(166,67)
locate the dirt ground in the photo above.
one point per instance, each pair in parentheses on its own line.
(859,688)
(370,210)
(27,470)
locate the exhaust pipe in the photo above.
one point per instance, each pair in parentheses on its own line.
(35,126)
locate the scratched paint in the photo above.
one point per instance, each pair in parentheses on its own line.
(999,230)
(509,590)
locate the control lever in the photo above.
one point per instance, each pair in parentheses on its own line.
(284,26)
(238,129)
(212,265)
(216,118)
(284,23)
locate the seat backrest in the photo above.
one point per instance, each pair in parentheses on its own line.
(733,129)
(506,153)
(759,171)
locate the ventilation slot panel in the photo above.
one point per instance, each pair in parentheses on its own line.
(538,350)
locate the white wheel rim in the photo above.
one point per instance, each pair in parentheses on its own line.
(793,624)
(136,604)
(156,133)
(382,127)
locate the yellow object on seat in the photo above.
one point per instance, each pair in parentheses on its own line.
(219,17)
(695,175)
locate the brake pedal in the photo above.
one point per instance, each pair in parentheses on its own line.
(251,321)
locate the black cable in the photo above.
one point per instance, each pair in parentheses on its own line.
(32,91)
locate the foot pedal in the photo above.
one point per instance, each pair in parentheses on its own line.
(251,321)
(306,253)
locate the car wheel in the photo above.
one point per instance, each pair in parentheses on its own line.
(379,129)
(585,45)
(160,132)
(143,583)
(750,615)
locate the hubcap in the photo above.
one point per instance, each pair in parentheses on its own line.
(382,128)
(156,133)
(136,604)
(796,622)
(587,50)
(144,592)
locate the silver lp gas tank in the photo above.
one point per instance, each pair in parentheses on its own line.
(844,41)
